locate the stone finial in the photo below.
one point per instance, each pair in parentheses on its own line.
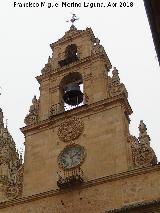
(1,119)
(143,136)
(142,153)
(73,27)
(34,100)
(115,77)
(97,47)
(32,117)
(142,128)
(49,59)
(115,86)
(97,41)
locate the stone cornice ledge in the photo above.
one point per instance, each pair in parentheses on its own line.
(135,206)
(73,65)
(97,106)
(88,184)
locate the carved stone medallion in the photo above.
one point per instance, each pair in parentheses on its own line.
(70,129)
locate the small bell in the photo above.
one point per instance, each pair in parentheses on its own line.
(73,95)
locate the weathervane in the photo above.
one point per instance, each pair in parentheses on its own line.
(73,19)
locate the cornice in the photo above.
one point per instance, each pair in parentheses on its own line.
(88,184)
(84,109)
(73,65)
(136,206)
(73,34)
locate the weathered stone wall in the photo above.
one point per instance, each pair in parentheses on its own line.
(96,196)
(104,140)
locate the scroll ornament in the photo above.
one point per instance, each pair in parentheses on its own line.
(142,154)
(70,129)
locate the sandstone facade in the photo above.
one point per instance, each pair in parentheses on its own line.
(116,172)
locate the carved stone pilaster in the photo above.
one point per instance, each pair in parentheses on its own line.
(115,87)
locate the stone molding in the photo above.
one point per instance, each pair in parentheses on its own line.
(47,68)
(136,206)
(87,184)
(73,65)
(73,34)
(89,109)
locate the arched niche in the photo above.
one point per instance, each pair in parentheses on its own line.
(71,55)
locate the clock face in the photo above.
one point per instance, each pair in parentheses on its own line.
(71,157)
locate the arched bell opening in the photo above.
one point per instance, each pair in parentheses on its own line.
(71,88)
(71,55)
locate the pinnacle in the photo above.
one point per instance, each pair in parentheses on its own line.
(1,119)
(73,27)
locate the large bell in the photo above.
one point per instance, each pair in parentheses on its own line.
(72,94)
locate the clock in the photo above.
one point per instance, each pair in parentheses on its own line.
(71,157)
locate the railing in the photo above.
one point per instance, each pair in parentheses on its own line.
(70,178)
(57,109)
(61,107)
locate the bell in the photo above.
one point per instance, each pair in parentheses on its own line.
(73,95)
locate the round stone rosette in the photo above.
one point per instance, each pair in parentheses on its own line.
(70,129)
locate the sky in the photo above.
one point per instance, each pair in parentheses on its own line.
(26,34)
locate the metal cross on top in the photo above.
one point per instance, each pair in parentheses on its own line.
(73,19)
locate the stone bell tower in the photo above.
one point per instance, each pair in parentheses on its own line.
(96,130)
(79,154)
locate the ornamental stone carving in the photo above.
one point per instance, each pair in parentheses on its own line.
(10,165)
(142,154)
(98,48)
(115,87)
(57,109)
(1,118)
(15,186)
(48,67)
(32,117)
(70,129)
(12,192)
